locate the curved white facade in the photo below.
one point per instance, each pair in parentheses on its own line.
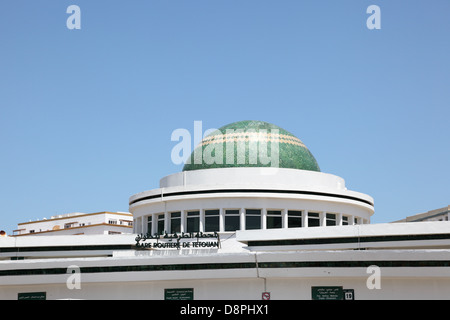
(230,199)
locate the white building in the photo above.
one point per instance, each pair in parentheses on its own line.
(239,230)
(233,199)
(78,223)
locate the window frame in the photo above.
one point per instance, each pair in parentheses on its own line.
(232,214)
(211,214)
(273,214)
(253,218)
(292,216)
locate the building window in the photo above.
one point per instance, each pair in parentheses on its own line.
(72,224)
(193,221)
(252,219)
(110,221)
(175,222)
(274,219)
(344,220)
(331,219)
(212,220)
(356,220)
(124,222)
(160,224)
(149,225)
(313,219)
(232,220)
(294,219)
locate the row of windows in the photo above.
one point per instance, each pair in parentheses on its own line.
(70,225)
(121,222)
(232,220)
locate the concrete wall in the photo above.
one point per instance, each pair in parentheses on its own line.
(236,289)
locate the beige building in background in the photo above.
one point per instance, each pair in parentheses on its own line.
(78,223)
(440,214)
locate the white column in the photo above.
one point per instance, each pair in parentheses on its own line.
(323,218)
(139,225)
(264,218)
(351,220)
(339,219)
(183,221)
(284,218)
(145,224)
(305,218)
(221,220)
(166,222)
(152,231)
(242,218)
(201,227)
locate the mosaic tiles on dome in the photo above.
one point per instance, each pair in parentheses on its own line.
(251,144)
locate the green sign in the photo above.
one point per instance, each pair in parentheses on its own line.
(32,296)
(179,294)
(327,293)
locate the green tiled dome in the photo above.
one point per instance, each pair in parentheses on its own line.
(251,144)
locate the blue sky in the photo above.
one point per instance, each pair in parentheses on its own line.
(86,115)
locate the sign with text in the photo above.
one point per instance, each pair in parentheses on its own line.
(32,296)
(179,294)
(349,294)
(195,240)
(327,293)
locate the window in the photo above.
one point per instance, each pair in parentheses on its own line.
(313,219)
(232,220)
(149,225)
(110,221)
(344,220)
(252,219)
(124,222)
(160,224)
(274,219)
(331,219)
(175,222)
(72,224)
(193,221)
(211,220)
(294,219)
